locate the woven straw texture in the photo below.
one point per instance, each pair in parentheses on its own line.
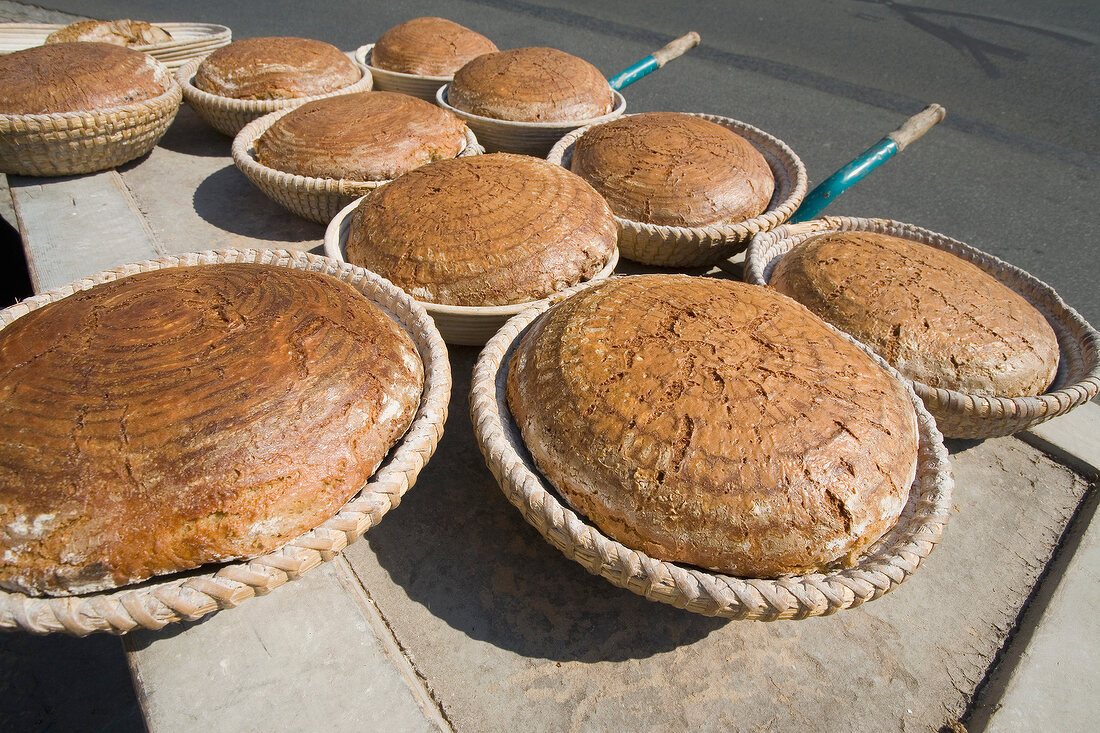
(960,414)
(460,325)
(880,569)
(316,199)
(671,246)
(158,602)
(228,115)
(189,40)
(69,143)
(415,85)
(529,138)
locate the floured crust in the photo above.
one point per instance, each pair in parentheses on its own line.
(935,317)
(714,423)
(78,77)
(428,47)
(531,85)
(118,32)
(674,169)
(187,416)
(276,68)
(369,136)
(483,230)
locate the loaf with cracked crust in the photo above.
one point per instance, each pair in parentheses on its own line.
(368,136)
(483,230)
(278,67)
(534,84)
(714,423)
(428,47)
(187,416)
(935,317)
(78,77)
(674,169)
(118,32)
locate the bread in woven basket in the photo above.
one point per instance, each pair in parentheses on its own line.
(533,84)
(674,169)
(118,32)
(715,424)
(428,47)
(485,230)
(78,77)
(185,416)
(936,318)
(275,68)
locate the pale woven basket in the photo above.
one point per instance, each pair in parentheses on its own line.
(228,115)
(672,246)
(415,85)
(70,143)
(528,138)
(189,40)
(316,199)
(461,325)
(960,414)
(191,595)
(881,568)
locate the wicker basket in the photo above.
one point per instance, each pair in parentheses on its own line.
(70,143)
(672,246)
(959,414)
(228,115)
(461,325)
(189,40)
(316,199)
(191,595)
(415,85)
(529,138)
(881,568)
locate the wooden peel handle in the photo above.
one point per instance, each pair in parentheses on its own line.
(917,125)
(677,48)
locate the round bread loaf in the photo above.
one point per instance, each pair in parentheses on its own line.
(77,77)
(275,68)
(674,169)
(483,230)
(368,136)
(935,317)
(531,85)
(428,47)
(714,423)
(189,415)
(118,32)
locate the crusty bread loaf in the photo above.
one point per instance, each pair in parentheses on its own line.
(78,77)
(276,68)
(189,415)
(714,423)
(117,32)
(531,85)
(483,230)
(674,169)
(935,317)
(369,136)
(428,47)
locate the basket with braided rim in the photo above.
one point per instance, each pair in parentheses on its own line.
(190,595)
(673,246)
(415,85)
(961,414)
(70,143)
(228,115)
(882,567)
(316,199)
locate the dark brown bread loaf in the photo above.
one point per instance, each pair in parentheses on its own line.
(714,423)
(674,169)
(187,416)
(483,230)
(369,136)
(428,47)
(938,319)
(118,32)
(77,77)
(276,68)
(531,85)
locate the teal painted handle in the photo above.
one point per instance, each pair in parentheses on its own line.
(649,64)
